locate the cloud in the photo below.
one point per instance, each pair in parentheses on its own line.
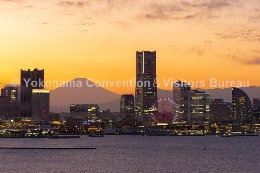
(251,58)
(218,4)
(78,4)
(197,50)
(155,11)
(253,61)
(250,35)
(185,10)
(124,25)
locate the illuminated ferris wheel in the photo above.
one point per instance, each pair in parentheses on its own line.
(164,110)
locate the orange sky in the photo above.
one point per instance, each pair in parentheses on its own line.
(194,40)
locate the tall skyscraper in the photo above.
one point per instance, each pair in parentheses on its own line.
(127,106)
(40,104)
(4,106)
(256,103)
(181,96)
(220,110)
(256,111)
(199,106)
(30,80)
(146,85)
(241,106)
(192,105)
(11,92)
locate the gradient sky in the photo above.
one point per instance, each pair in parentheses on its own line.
(97,39)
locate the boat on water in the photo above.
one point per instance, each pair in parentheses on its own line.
(250,134)
(232,134)
(228,134)
(96,135)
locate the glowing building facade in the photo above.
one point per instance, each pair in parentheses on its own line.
(40,105)
(146,85)
(30,80)
(127,106)
(241,106)
(220,110)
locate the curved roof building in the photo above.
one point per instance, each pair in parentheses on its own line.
(241,106)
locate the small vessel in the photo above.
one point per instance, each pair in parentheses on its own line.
(228,134)
(96,135)
(205,148)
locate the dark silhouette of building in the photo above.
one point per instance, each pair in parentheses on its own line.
(75,123)
(127,106)
(181,96)
(220,110)
(256,103)
(89,110)
(11,92)
(4,106)
(40,105)
(9,109)
(241,106)
(30,80)
(193,105)
(146,85)
(256,110)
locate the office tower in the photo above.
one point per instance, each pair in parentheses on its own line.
(256,111)
(11,106)
(89,110)
(127,106)
(11,92)
(4,106)
(199,106)
(192,105)
(74,123)
(40,104)
(181,96)
(256,103)
(146,85)
(30,80)
(241,106)
(220,110)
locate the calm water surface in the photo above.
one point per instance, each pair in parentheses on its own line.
(134,154)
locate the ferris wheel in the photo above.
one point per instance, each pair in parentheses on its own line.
(164,110)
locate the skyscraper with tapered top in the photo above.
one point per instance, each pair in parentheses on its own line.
(146,85)
(241,106)
(30,80)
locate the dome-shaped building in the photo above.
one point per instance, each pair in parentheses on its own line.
(241,106)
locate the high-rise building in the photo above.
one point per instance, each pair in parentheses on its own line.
(146,85)
(199,106)
(256,103)
(30,80)
(192,105)
(89,110)
(4,106)
(127,106)
(241,106)
(181,96)
(9,109)
(256,111)
(11,92)
(220,110)
(40,104)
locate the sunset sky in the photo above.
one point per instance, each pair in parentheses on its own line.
(97,39)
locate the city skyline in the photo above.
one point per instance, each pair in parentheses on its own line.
(184,34)
(129,85)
